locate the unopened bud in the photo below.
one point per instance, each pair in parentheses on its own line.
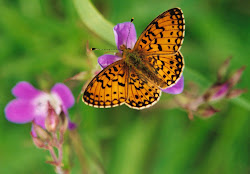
(234,79)
(220,91)
(223,69)
(64,122)
(41,133)
(38,142)
(207,111)
(52,119)
(236,93)
(217,92)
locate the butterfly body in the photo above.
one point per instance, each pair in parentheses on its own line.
(154,63)
(131,57)
(136,61)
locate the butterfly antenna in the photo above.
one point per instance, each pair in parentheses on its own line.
(132,19)
(93,49)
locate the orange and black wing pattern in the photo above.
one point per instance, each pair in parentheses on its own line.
(109,87)
(164,35)
(141,92)
(167,69)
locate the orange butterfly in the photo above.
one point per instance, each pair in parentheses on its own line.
(152,64)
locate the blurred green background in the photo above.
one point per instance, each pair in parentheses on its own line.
(43,42)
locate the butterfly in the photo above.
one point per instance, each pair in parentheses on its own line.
(154,63)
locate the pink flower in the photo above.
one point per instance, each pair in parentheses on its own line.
(31,104)
(122,34)
(225,89)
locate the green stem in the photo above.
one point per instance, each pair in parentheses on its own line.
(82,156)
(94,20)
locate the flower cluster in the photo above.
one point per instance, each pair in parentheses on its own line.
(223,88)
(48,113)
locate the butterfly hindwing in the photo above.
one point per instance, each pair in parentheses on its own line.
(164,35)
(109,87)
(167,69)
(141,92)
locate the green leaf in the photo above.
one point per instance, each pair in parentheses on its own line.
(94,20)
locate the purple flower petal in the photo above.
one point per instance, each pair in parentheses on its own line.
(40,121)
(64,93)
(19,111)
(122,34)
(177,88)
(107,59)
(25,90)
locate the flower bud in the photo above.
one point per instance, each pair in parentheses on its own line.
(220,91)
(64,122)
(235,93)
(234,79)
(207,111)
(222,71)
(41,133)
(38,142)
(52,119)
(217,92)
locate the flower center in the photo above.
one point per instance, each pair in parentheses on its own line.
(41,104)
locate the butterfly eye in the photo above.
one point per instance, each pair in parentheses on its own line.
(122,47)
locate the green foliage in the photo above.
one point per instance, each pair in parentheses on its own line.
(44,42)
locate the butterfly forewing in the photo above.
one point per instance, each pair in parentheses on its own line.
(167,69)
(109,87)
(141,92)
(164,35)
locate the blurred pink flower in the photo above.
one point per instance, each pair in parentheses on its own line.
(32,105)
(226,89)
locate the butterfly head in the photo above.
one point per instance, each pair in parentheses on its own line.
(124,51)
(124,47)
